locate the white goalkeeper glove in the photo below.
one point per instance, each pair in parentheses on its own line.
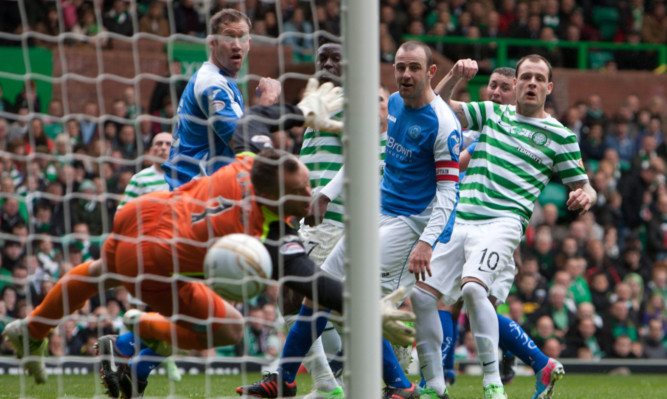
(393,327)
(319,103)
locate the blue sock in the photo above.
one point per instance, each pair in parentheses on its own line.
(125,344)
(392,374)
(447,333)
(448,361)
(514,339)
(299,340)
(143,366)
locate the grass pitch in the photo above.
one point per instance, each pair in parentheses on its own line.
(573,386)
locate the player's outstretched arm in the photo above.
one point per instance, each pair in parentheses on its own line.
(463,69)
(268,91)
(319,103)
(582,196)
(253,131)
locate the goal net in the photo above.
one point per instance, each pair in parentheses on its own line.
(85,88)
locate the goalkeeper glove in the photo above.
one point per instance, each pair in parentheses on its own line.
(319,103)
(393,328)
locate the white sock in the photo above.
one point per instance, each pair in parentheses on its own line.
(331,340)
(484,327)
(316,363)
(429,338)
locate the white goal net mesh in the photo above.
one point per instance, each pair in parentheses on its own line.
(85,87)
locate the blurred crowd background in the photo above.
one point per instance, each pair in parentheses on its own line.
(589,286)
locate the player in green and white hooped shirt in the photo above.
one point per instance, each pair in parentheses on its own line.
(322,152)
(151,178)
(513,340)
(335,187)
(519,149)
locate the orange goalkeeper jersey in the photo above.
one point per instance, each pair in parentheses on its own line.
(176,228)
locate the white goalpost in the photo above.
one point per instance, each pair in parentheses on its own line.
(87,70)
(361,82)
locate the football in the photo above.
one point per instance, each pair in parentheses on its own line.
(237,267)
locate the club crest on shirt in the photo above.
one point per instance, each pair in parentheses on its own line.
(414,132)
(539,138)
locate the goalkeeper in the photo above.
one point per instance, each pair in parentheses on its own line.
(162,235)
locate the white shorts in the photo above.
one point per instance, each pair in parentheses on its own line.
(334,264)
(397,239)
(320,240)
(484,251)
(502,286)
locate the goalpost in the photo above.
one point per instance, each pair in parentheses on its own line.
(98,73)
(361,73)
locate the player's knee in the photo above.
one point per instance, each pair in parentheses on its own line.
(456,309)
(473,291)
(236,333)
(228,334)
(231,331)
(423,300)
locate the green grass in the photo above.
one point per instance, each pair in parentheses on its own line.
(573,386)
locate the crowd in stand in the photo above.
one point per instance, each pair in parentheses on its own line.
(591,286)
(628,21)
(546,20)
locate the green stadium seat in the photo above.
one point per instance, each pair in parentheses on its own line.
(606,20)
(555,193)
(592,165)
(597,59)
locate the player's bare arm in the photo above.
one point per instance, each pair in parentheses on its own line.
(582,196)
(420,260)
(464,69)
(464,160)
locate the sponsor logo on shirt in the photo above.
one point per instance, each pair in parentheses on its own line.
(217,106)
(398,150)
(530,154)
(292,247)
(505,126)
